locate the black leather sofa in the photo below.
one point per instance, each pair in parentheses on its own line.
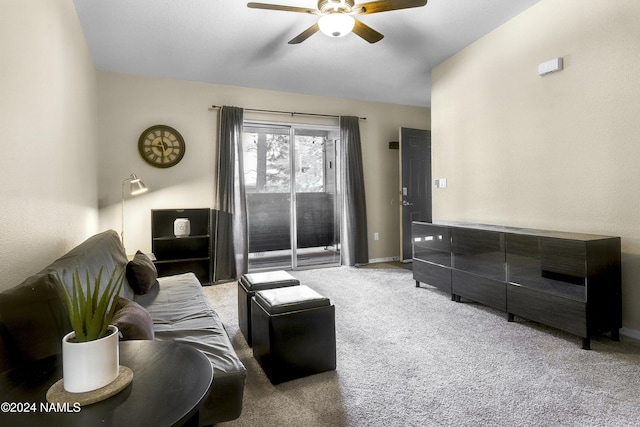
(33,320)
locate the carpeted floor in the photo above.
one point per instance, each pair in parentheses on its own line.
(409,356)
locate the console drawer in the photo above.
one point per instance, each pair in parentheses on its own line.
(563,313)
(480,289)
(432,274)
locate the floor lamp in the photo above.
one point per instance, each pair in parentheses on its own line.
(136,187)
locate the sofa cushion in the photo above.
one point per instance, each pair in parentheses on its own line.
(101,250)
(181,312)
(133,321)
(141,273)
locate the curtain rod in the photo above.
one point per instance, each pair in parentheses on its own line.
(292,113)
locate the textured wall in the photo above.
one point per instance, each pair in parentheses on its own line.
(559,151)
(48,118)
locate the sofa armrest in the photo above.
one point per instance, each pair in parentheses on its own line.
(33,321)
(5,359)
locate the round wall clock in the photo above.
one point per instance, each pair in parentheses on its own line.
(161,146)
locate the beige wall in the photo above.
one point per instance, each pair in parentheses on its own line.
(129,104)
(48,118)
(556,152)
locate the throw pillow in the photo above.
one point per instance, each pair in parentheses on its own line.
(141,273)
(133,320)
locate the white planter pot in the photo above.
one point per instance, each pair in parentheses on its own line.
(87,366)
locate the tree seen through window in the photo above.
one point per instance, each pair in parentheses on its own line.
(267,164)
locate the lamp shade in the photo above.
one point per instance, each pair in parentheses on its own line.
(137,186)
(336,24)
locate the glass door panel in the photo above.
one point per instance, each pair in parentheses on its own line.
(316,231)
(267,172)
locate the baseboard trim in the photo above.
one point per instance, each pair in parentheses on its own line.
(388,259)
(630,333)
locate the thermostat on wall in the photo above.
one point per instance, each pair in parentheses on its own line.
(182,227)
(550,66)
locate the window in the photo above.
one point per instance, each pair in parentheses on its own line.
(266,160)
(310,170)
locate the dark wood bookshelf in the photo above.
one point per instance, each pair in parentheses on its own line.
(182,254)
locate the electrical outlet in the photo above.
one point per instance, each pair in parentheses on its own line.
(376,236)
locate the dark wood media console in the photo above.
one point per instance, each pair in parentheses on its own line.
(569,281)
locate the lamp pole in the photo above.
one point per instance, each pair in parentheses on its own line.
(137,187)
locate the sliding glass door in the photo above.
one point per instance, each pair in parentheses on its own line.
(291,187)
(317,225)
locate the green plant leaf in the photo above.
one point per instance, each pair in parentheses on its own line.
(71,306)
(89,311)
(80,306)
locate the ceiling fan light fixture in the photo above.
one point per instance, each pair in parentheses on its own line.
(336,24)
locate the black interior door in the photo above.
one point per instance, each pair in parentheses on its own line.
(415,186)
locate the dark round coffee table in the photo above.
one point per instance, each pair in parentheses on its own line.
(170,382)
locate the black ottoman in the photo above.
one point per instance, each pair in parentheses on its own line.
(248,285)
(294,332)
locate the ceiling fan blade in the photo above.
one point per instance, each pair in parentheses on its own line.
(305,34)
(366,32)
(268,6)
(385,6)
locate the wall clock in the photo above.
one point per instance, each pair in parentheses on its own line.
(161,146)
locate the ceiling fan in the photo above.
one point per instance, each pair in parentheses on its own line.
(337,16)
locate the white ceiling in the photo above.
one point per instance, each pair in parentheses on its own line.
(223,41)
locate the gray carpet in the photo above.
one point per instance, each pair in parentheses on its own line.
(409,356)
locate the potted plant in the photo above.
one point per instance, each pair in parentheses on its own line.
(90,356)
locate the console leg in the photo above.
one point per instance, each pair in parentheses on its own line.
(510,317)
(586,343)
(417,283)
(615,334)
(453,297)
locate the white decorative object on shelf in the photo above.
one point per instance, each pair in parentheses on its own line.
(182,227)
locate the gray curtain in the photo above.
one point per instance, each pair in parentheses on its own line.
(354,241)
(231,247)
